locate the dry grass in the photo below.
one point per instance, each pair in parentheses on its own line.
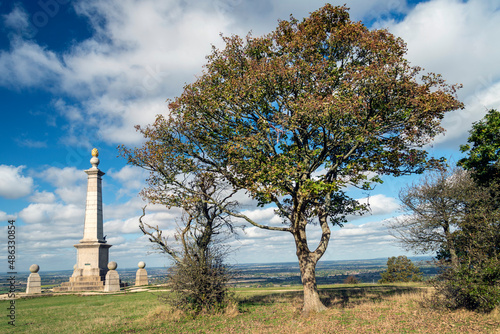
(368,312)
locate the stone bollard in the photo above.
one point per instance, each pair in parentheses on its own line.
(112,282)
(34,282)
(141,278)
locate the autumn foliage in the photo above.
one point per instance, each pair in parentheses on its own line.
(295,116)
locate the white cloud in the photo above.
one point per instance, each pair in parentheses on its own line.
(130,225)
(73,195)
(43,197)
(63,177)
(70,183)
(255,232)
(5,217)
(13,184)
(380,204)
(53,214)
(130,177)
(32,66)
(132,207)
(260,214)
(17,19)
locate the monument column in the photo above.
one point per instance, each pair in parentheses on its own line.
(92,230)
(92,251)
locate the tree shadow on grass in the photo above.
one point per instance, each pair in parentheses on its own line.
(333,296)
(351,296)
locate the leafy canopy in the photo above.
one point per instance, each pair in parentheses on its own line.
(325,94)
(484,149)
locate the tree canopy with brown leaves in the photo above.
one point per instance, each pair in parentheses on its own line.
(295,116)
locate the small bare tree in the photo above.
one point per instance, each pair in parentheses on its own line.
(199,275)
(435,206)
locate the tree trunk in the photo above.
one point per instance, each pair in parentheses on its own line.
(307,264)
(308,261)
(312,303)
(453,255)
(451,246)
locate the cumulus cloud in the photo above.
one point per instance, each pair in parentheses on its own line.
(31,64)
(53,214)
(43,197)
(63,177)
(380,204)
(5,216)
(13,184)
(131,178)
(70,183)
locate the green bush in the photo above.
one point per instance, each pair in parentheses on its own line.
(475,287)
(199,283)
(400,269)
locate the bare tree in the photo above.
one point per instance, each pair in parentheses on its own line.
(199,275)
(201,221)
(435,206)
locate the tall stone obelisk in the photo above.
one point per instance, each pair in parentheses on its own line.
(92,251)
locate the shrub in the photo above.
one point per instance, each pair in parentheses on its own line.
(199,283)
(400,269)
(351,279)
(473,286)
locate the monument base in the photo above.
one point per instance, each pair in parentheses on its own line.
(78,282)
(91,268)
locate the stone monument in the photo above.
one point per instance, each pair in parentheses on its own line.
(92,251)
(112,278)
(34,284)
(141,277)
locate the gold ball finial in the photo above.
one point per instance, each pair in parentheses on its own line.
(95,152)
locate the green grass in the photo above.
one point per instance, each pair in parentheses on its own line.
(79,314)
(351,309)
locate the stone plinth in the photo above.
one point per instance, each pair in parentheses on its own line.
(34,284)
(141,277)
(92,258)
(112,278)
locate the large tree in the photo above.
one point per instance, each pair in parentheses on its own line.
(295,116)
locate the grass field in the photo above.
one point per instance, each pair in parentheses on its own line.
(351,309)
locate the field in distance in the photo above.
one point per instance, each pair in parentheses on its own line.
(249,275)
(364,308)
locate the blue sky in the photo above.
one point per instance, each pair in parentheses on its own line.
(80,74)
